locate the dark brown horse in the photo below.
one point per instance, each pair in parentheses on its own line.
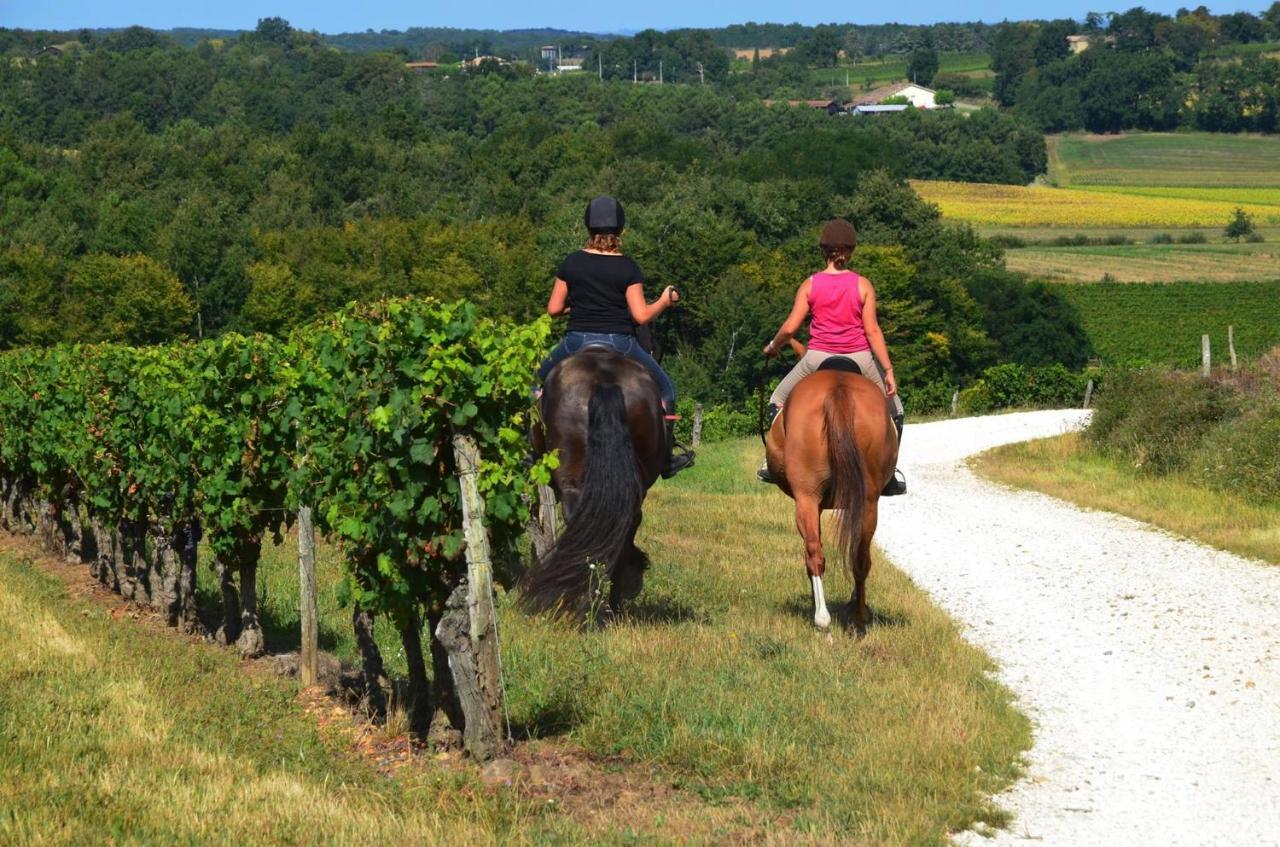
(603,412)
(833,446)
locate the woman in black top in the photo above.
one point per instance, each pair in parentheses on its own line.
(602,292)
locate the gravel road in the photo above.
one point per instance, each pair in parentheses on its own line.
(1149,664)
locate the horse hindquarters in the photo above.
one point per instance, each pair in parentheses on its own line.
(601,526)
(848,493)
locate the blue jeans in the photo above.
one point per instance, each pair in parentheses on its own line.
(624,343)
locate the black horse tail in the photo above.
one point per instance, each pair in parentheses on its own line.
(848,476)
(602,524)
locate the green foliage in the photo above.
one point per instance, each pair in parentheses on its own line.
(1162,323)
(1157,418)
(922,65)
(1012,386)
(944,97)
(385,387)
(130,299)
(1240,226)
(1031,322)
(353,416)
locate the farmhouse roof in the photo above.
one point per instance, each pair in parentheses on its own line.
(418,66)
(872,109)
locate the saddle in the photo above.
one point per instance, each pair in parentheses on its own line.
(841,363)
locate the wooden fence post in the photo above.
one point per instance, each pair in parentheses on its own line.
(697,424)
(469,628)
(309,656)
(955,403)
(1204,354)
(1088,394)
(1231,345)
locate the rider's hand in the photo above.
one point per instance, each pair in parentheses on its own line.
(770,352)
(671,295)
(890,384)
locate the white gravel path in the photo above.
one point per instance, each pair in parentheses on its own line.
(1149,664)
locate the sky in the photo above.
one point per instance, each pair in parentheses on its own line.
(331,16)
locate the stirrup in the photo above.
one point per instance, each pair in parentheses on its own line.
(896,485)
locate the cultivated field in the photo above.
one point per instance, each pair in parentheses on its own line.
(1074,209)
(1212,262)
(712,713)
(1162,323)
(1196,160)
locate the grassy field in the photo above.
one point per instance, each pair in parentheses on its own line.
(1162,323)
(749,725)
(1213,262)
(1063,468)
(1073,209)
(1194,160)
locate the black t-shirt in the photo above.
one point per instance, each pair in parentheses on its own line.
(598,286)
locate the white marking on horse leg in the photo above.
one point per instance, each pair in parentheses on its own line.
(821,617)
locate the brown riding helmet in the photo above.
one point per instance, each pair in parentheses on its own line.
(838,234)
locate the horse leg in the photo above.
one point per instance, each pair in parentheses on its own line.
(628,574)
(861,616)
(809,522)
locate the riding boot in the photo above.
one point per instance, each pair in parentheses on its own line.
(763,474)
(679,457)
(897,484)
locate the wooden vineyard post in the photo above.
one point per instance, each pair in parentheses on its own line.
(309,656)
(1204,355)
(546,530)
(955,403)
(469,629)
(1231,345)
(1088,394)
(697,424)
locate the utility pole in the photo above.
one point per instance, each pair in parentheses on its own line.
(702,77)
(659,72)
(600,66)
(635,76)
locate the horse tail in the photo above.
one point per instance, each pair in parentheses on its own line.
(604,520)
(848,477)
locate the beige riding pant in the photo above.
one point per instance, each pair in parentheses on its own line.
(809,363)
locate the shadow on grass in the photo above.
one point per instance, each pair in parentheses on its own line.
(801,606)
(649,609)
(282,632)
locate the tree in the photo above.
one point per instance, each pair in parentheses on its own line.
(130,299)
(1272,19)
(922,65)
(944,97)
(275,31)
(1240,226)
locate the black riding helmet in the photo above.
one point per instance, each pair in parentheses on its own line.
(604,215)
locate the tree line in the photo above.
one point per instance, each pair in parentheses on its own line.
(1142,70)
(150,192)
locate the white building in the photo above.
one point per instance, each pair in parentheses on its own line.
(917,95)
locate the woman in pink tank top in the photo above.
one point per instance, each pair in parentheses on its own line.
(841,306)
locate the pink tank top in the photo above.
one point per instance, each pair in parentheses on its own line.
(835,304)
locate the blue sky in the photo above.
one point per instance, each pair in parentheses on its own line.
(606,16)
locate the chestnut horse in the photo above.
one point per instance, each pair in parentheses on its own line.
(833,446)
(603,412)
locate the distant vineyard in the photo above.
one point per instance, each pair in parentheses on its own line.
(1163,323)
(1009,205)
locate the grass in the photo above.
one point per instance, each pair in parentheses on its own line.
(1043,206)
(887,70)
(115,733)
(1213,262)
(1268,196)
(715,681)
(1191,159)
(1065,468)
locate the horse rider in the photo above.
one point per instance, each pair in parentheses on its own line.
(842,307)
(602,292)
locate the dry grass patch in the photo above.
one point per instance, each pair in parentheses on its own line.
(1150,262)
(1062,467)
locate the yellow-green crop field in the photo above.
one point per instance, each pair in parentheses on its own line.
(1013,205)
